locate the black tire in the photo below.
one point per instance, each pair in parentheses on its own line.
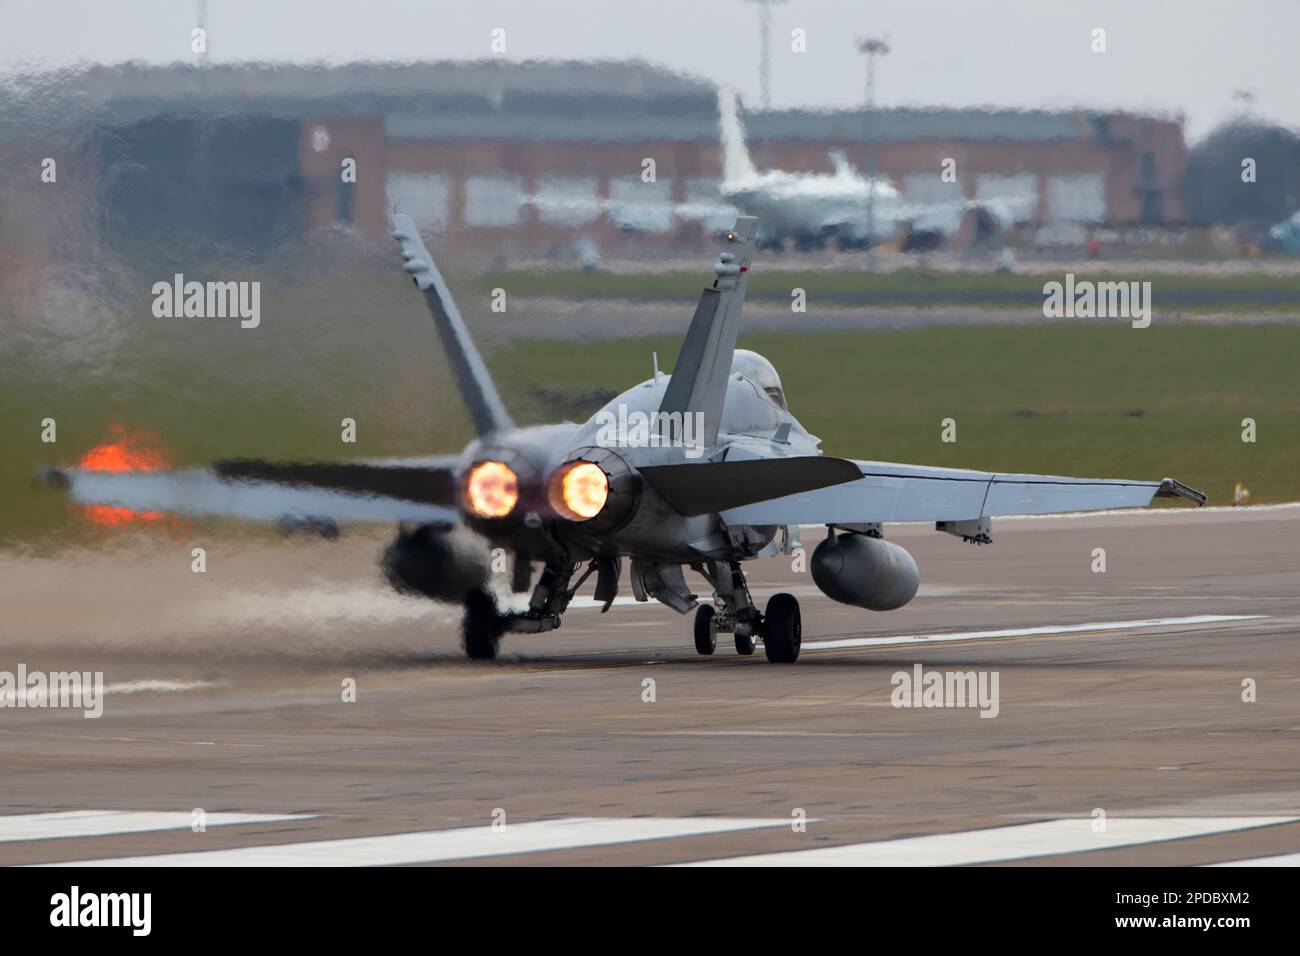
(482,626)
(745,645)
(782,629)
(706,630)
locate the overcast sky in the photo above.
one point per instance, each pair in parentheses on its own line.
(1174,56)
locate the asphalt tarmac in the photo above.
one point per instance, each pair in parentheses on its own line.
(1121,735)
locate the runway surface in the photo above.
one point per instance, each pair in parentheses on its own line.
(1121,735)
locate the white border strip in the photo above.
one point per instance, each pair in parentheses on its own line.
(1286,859)
(999,844)
(17,828)
(433,846)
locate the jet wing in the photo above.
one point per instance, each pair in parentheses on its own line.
(893,492)
(416,490)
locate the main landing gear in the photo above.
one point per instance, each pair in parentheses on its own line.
(706,629)
(782,629)
(483,624)
(733,611)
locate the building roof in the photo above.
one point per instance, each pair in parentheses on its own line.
(605,101)
(134,90)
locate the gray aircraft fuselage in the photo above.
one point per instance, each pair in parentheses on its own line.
(749,428)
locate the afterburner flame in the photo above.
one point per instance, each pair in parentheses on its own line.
(578,490)
(492,489)
(134,450)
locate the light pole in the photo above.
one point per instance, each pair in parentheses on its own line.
(871,48)
(765,65)
(765,49)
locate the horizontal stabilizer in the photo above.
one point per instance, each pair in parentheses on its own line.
(427,484)
(709,487)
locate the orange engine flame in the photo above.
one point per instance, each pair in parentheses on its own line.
(135,450)
(578,490)
(492,489)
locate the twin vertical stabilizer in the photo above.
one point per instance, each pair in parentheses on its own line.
(472,378)
(699,380)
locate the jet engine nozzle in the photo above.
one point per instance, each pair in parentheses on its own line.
(578,490)
(499,486)
(596,488)
(864,571)
(491,489)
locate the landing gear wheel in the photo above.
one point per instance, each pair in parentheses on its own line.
(745,644)
(706,630)
(782,629)
(482,626)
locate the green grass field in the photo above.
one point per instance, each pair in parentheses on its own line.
(1088,399)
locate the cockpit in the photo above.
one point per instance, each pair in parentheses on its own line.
(761,372)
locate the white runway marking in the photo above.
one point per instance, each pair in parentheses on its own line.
(953,637)
(519,602)
(1000,844)
(159,686)
(433,846)
(40,698)
(88,823)
(1286,859)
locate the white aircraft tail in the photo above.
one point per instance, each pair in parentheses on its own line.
(736,162)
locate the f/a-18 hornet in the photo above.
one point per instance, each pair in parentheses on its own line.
(704,469)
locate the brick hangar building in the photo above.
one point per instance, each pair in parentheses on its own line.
(538,155)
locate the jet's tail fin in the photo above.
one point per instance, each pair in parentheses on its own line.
(736,162)
(699,380)
(472,378)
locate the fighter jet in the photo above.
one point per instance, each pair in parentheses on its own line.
(844,205)
(702,469)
